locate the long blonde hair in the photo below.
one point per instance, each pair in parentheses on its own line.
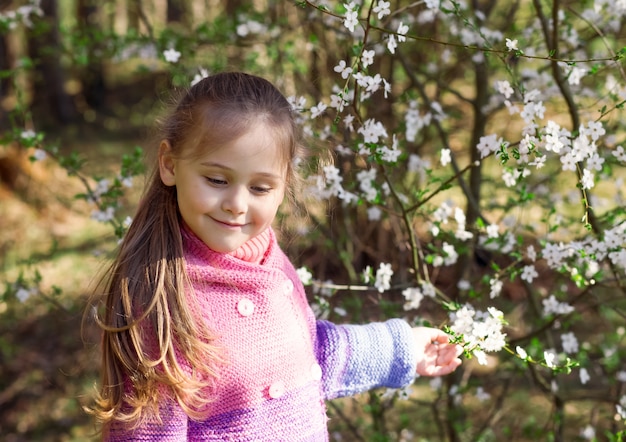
(154,346)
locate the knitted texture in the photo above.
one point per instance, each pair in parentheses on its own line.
(254,249)
(281,364)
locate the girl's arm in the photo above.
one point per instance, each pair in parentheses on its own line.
(356,358)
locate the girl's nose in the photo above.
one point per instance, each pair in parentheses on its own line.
(236,200)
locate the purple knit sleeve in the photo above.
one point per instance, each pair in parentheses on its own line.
(356,358)
(173,428)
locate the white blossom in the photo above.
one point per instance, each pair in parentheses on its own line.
(250,27)
(587,180)
(481,331)
(504,87)
(171,55)
(619,153)
(488,144)
(343,69)
(103,216)
(318,110)
(570,343)
(199,76)
(374,214)
(372,131)
(492,230)
(40,155)
(383,277)
(22,293)
(529,273)
(550,358)
(382,9)
(446,157)
(495,287)
(511,45)
(28,134)
(552,306)
(305,276)
(482,395)
(413,297)
(436,383)
(351,19)
(575,75)
(402,30)
(367,58)
(392,44)
(584,376)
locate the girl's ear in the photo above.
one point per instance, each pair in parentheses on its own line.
(166,164)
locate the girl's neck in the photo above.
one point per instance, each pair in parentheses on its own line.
(254,249)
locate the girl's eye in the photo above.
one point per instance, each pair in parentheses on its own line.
(216,181)
(261,190)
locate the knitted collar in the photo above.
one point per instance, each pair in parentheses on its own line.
(254,249)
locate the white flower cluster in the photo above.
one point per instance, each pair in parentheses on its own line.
(551,306)
(171,55)
(22,14)
(203,73)
(23,293)
(248,26)
(570,343)
(621,407)
(141,50)
(383,277)
(403,394)
(328,185)
(589,252)
(441,217)
(481,331)
(415,121)
(103,216)
(414,295)
(351,18)
(540,141)
(305,276)
(107,213)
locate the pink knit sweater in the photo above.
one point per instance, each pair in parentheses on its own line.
(281,364)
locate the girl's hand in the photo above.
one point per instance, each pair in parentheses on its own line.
(436,356)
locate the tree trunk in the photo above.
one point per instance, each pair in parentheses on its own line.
(5,82)
(133,12)
(51,103)
(92,75)
(180,11)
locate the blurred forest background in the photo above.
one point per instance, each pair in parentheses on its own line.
(82,83)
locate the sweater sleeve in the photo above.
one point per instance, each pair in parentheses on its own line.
(172,428)
(356,358)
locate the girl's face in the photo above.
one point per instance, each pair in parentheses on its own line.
(230,194)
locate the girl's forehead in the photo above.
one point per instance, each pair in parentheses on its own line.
(260,145)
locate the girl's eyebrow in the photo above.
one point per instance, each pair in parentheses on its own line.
(227,168)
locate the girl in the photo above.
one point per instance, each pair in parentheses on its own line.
(207,334)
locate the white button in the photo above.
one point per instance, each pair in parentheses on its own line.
(316,372)
(277,389)
(288,287)
(245,307)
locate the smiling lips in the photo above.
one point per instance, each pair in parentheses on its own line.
(229,225)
